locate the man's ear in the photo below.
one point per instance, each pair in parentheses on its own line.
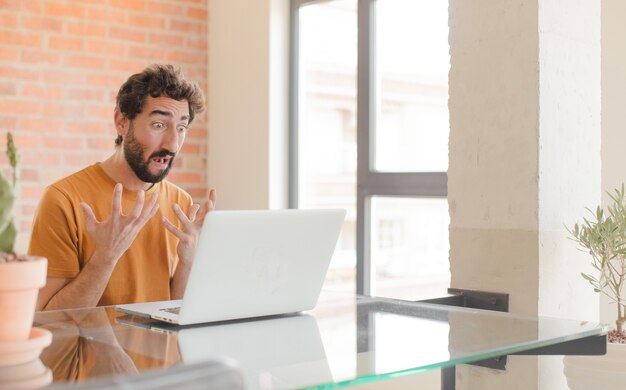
(121,123)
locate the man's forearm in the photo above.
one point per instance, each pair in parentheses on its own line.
(86,289)
(179,280)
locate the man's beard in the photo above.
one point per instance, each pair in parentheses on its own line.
(133,151)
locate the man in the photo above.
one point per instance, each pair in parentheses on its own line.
(136,245)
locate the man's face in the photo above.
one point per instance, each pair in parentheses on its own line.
(155,136)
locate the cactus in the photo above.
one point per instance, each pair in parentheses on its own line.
(8,233)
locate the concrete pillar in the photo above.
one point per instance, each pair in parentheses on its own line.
(524,162)
(613,112)
(248,103)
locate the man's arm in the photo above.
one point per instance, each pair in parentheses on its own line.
(187,241)
(85,290)
(112,237)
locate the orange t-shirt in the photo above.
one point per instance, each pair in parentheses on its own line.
(60,234)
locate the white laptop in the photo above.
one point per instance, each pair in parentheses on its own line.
(252,264)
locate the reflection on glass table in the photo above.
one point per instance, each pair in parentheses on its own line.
(345,340)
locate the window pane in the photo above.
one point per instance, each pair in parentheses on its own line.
(412,64)
(410,247)
(327,123)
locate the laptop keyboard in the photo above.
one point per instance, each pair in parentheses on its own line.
(173,310)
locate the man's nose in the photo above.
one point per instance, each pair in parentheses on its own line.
(172,140)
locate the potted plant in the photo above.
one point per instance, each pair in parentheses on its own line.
(21,276)
(604,238)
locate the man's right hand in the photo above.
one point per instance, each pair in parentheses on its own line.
(113,236)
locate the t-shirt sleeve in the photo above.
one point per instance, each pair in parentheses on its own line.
(55,236)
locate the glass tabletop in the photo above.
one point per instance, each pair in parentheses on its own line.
(345,340)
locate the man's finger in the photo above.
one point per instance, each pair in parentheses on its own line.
(193,211)
(138,205)
(172,228)
(149,209)
(116,202)
(90,218)
(212,199)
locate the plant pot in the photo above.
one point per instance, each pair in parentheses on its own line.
(20,282)
(604,372)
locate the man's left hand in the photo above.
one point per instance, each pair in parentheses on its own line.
(192,225)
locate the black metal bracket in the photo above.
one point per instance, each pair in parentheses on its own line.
(474,299)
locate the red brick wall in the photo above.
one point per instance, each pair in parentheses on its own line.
(61,64)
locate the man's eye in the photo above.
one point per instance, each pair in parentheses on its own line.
(182,129)
(158,125)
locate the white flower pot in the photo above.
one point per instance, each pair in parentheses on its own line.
(606,372)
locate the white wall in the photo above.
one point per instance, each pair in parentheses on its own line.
(247,103)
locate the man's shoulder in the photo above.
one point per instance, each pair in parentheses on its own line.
(79,181)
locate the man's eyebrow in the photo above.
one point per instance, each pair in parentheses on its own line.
(168,113)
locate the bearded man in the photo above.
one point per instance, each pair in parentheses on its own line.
(138,244)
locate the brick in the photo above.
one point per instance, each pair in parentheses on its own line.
(100,111)
(147,21)
(8,122)
(8,89)
(199,195)
(40,57)
(34,7)
(107,15)
(145,52)
(127,34)
(167,39)
(82,61)
(84,94)
(62,110)
(188,27)
(10,5)
(47,125)
(198,13)
(66,77)
(9,54)
(106,47)
(169,9)
(63,43)
(105,80)
(85,128)
(37,158)
(128,66)
(197,43)
(83,29)
(186,177)
(79,160)
(43,92)
(9,19)
(19,73)
(190,148)
(42,23)
(64,9)
(101,143)
(18,107)
(187,57)
(128,4)
(31,191)
(21,38)
(26,141)
(29,209)
(66,143)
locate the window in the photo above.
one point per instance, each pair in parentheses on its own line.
(370,135)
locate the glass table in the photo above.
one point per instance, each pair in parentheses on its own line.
(346,340)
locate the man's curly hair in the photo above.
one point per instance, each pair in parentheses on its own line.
(158,80)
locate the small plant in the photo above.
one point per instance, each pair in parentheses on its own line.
(8,232)
(604,237)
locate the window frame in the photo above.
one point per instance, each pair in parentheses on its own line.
(370,182)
